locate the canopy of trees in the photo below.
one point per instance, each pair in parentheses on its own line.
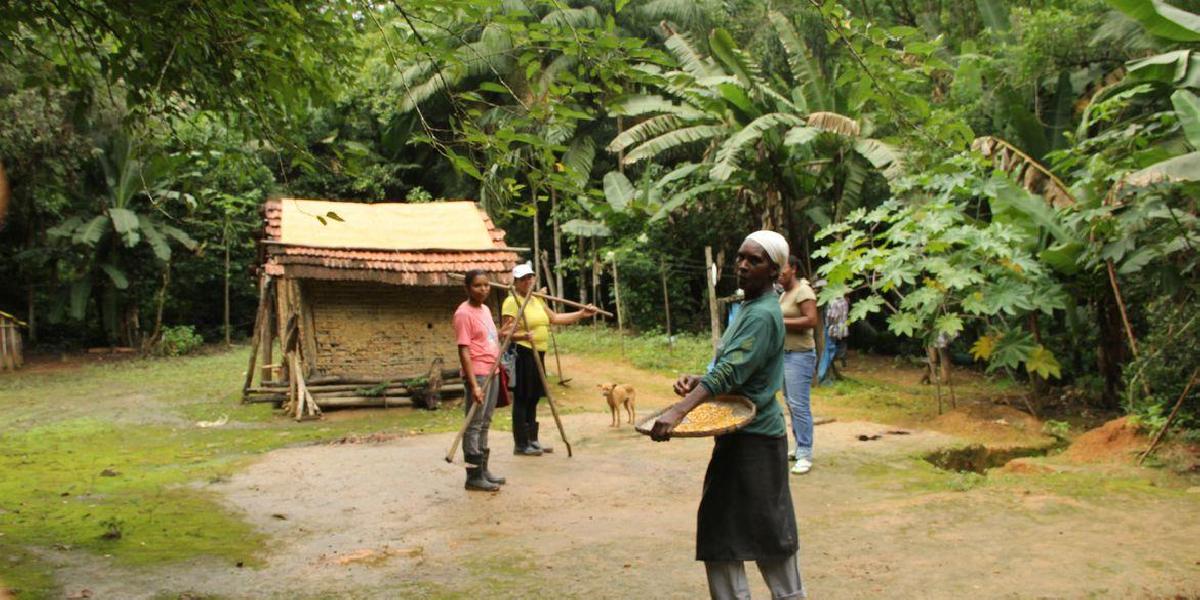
(1013,181)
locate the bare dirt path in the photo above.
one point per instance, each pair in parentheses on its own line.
(390,520)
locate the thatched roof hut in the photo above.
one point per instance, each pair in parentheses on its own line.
(362,294)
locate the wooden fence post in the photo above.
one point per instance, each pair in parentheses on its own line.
(620,313)
(710,277)
(666,300)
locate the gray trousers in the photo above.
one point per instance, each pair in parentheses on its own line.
(727,579)
(475,437)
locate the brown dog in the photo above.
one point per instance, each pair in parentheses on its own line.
(618,395)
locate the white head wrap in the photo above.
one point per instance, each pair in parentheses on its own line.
(775,245)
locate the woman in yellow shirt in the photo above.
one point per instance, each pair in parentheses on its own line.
(528,385)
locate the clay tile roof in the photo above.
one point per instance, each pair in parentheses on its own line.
(395,243)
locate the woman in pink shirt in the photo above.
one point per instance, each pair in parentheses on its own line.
(478,351)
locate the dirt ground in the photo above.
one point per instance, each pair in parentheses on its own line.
(388,518)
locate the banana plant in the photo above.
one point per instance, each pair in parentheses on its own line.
(99,249)
(737,131)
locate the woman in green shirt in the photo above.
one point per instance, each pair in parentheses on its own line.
(746,510)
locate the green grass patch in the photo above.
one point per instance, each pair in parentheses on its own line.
(108,459)
(689,353)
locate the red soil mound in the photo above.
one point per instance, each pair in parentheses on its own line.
(1117,440)
(992,424)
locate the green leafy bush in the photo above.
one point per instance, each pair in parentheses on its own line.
(179,340)
(1166,360)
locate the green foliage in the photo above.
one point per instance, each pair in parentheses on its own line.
(179,340)
(936,269)
(1156,379)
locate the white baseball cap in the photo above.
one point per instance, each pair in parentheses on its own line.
(523,269)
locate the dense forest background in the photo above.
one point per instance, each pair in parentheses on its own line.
(1013,182)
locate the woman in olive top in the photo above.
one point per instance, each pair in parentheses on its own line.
(746,508)
(799,306)
(528,385)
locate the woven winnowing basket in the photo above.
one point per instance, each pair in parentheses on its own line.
(743,413)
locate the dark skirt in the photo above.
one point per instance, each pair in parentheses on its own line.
(528,384)
(746,511)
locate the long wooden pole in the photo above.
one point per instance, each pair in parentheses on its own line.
(487,384)
(541,369)
(1112,278)
(571,303)
(1171,417)
(555,288)
(710,280)
(620,313)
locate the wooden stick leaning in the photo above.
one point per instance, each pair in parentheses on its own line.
(491,377)
(570,303)
(1174,411)
(541,369)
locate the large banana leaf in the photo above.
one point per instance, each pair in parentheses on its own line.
(674,139)
(119,280)
(618,190)
(91,232)
(807,78)
(1187,108)
(1185,168)
(653,104)
(125,222)
(738,143)
(154,237)
(648,129)
(1180,68)
(578,160)
(1162,19)
(684,51)
(734,59)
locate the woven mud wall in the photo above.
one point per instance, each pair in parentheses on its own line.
(378,330)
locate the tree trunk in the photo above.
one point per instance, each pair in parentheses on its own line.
(537,248)
(225,234)
(31,320)
(1111,354)
(162,300)
(5,196)
(558,277)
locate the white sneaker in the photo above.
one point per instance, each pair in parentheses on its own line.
(803,465)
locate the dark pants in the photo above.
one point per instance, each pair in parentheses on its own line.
(527,391)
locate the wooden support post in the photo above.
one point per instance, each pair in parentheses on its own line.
(257,335)
(710,278)
(620,313)
(268,335)
(5,359)
(662,268)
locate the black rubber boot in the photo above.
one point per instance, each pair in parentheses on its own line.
(488,475)
(475,478)
(533,439)
(522,446)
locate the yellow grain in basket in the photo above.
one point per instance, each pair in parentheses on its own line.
(707,417)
